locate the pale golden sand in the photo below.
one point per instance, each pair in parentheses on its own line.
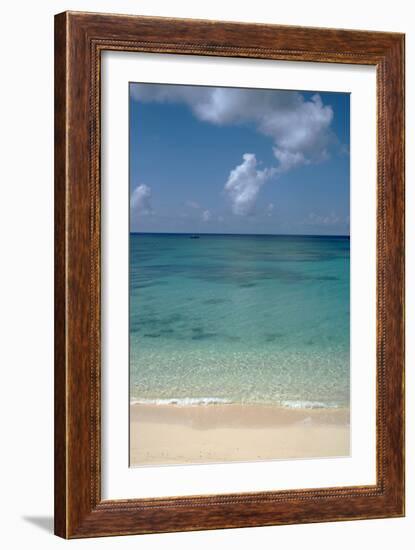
(173,434)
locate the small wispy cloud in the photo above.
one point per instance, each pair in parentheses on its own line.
(141,199)
(192,204)
(327,220)
(206,215)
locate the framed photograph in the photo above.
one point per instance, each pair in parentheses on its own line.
(229,275)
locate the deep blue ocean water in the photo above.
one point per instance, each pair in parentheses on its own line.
(240,318)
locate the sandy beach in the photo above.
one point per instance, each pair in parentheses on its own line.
(177,434)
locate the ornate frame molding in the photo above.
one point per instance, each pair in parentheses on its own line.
(79,40)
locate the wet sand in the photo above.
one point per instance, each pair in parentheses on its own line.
(176,434)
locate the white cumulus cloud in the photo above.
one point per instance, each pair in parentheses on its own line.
(244,183)
(299,128)
(141,199)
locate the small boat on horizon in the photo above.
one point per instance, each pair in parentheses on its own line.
(195,236)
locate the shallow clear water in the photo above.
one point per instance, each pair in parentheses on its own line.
(259,319)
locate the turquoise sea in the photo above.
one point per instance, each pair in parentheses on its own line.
(240,318)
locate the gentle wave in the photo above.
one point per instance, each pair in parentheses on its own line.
(182,401)
(193,401)
(308,405)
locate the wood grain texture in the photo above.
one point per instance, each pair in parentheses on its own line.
(60,277)
(79,40)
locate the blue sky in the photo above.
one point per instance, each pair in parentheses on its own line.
(229,160)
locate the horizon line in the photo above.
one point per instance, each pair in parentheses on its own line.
(238,234)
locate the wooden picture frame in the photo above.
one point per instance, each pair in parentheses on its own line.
(79,40)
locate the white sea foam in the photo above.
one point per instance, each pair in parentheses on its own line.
(182,401)
(308,405)
(193,401)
